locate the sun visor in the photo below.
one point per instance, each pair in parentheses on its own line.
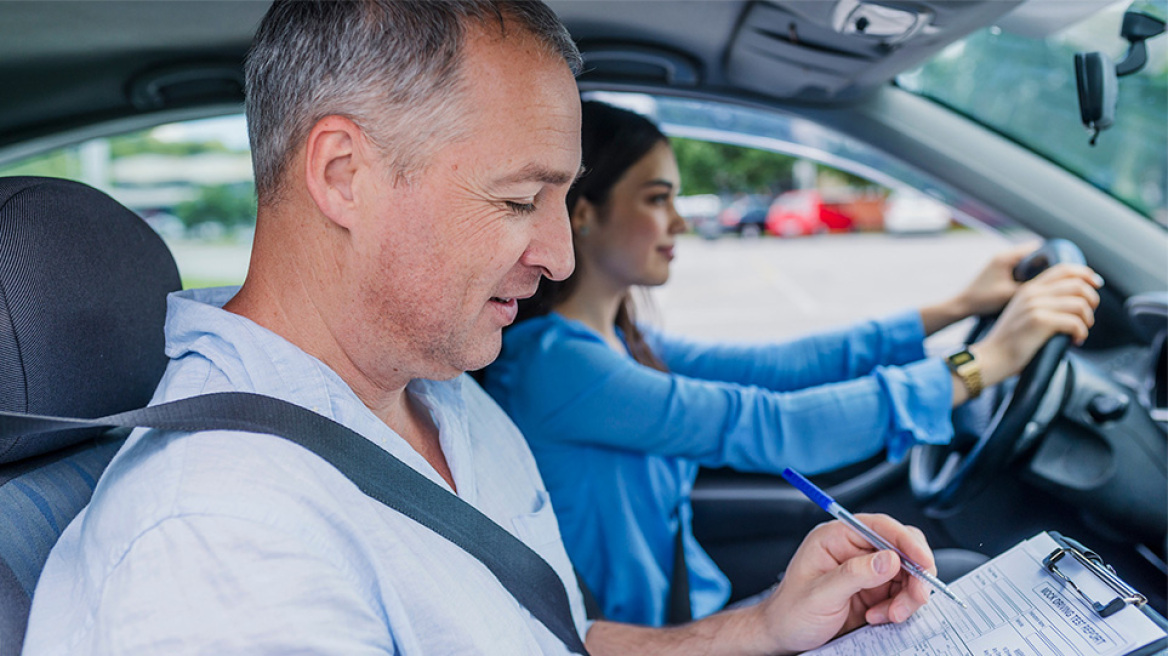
(841,50)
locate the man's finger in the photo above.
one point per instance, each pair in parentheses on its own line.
(856,574)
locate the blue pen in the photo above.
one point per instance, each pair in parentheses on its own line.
(824,501)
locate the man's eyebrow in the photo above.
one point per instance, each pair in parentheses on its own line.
(537,173)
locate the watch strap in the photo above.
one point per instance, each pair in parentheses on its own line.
(966,367)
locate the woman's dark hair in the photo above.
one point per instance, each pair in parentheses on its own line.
(612,141)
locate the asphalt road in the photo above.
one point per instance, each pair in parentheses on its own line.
(765,288)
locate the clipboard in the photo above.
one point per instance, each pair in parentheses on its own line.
(1121,594)
(1046,596)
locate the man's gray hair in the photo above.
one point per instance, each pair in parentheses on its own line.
(392,66)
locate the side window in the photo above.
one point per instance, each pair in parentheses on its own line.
(191,181)
(795,229)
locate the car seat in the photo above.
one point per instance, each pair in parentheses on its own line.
(83,285)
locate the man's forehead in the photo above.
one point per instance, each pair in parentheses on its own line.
(523,123)
(539,173)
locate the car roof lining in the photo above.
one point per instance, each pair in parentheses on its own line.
(69,62)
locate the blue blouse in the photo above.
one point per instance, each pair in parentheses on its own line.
(619,444)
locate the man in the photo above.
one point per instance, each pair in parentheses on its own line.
(412,161)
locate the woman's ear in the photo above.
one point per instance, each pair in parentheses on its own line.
(583,217)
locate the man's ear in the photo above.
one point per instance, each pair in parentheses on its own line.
(335,154)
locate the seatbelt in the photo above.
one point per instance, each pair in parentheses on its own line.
(592,608)
(679,610)
(379,474)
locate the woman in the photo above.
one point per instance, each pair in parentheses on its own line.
(620,417)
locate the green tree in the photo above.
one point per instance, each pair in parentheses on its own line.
(137,143)
(714,168)
(1026,89)
(60,163)
(229,205)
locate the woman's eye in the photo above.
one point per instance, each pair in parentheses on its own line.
(521,208)
(659,199)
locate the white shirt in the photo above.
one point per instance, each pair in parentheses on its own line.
(223,542)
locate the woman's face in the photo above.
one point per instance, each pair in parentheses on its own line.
(631,241)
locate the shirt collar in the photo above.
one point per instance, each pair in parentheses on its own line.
(255,359)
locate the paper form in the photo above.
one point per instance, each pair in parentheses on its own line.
(1016,608)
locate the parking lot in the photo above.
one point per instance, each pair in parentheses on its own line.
(759,289)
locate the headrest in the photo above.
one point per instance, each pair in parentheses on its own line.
(83,285)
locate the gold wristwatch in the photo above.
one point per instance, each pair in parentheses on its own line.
(968,370)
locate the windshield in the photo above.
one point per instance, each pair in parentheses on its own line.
(1024,88)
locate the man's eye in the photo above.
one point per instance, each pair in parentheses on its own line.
(521,208)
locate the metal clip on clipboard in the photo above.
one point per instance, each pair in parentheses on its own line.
(1125,594)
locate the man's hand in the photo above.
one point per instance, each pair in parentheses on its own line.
(836,583)
(1061,299)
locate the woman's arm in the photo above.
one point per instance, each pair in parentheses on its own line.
(1061,299)
(846,353)
(576,389)
(826,357)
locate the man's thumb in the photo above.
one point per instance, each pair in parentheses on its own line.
(860,573)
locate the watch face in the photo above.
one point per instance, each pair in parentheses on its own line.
(961,358)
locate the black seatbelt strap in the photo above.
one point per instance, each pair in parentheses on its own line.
(592,609)
(527,576)
(679,610)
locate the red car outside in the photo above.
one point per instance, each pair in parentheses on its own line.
(796,214)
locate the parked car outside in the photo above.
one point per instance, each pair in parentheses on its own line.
(801,212)
(746,215)
(911,212)
(700,211)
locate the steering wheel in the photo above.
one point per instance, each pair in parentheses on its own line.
(991,430)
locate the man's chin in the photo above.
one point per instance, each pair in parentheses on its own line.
(473,359)
(486,357)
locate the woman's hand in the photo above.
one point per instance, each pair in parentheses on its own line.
(987,293)
(836,583)
(1061,299)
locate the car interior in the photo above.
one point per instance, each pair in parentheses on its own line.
(1078,443)
(84,286)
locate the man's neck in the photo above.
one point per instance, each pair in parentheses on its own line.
(411,420)
(393,405)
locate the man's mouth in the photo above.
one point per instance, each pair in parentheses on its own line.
(508,299)
(507,308)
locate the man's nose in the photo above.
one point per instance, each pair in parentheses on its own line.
(551,246)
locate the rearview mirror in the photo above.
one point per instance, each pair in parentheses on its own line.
(1098,91)
(1097,76)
